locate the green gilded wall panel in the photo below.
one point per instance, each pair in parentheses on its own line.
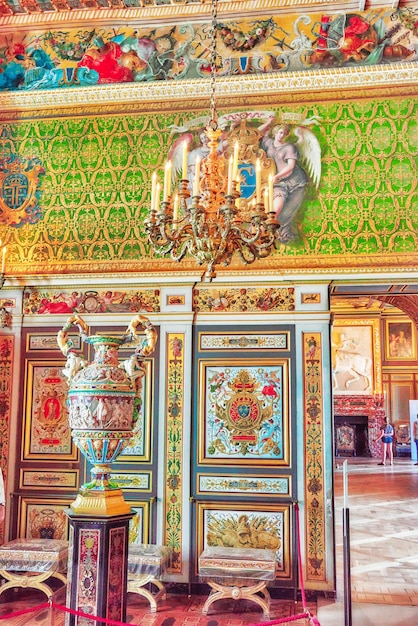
(94,192)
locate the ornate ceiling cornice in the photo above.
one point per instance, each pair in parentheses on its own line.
(233,91)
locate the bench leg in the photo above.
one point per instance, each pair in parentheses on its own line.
(23,580)
(136,584)
(220,592)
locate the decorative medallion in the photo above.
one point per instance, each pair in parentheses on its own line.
(19,190)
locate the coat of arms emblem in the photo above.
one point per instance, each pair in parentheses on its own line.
(20,190)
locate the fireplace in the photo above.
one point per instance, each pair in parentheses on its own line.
(359,425)
(365,415)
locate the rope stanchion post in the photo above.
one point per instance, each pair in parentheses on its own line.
(346,551)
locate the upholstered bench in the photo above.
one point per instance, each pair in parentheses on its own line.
(31,562)
(238,573)
(146,565)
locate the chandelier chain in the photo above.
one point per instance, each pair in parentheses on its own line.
(207,217)
(213,53)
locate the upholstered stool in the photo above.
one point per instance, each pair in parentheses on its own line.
(146,565)
(30,562)
(238,573)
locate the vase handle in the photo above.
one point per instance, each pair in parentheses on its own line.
(148,343)
(75,362)
(64,342)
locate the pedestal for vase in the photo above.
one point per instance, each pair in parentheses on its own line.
(98,567)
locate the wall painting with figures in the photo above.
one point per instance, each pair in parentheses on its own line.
(400,339)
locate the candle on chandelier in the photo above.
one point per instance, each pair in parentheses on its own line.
(153,192)
(235,165)
(258,181)
(271,196)
(238,188)
(196,181)
(167,181)
(157,195)
(3,259)
(266,198)
(176,208)
(230,176)
(185,155)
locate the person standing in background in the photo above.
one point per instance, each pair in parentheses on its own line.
(2,499)
(386,436)
(415,433)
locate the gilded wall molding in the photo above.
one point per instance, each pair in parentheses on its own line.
(321,265)
(159,96)
(173,460)
(315,492)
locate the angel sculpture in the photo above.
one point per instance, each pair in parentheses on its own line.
(291,179)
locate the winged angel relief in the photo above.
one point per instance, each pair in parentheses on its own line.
(288,149)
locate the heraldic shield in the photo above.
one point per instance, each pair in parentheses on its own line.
(20,190)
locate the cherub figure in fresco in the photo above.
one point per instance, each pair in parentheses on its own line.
(155,55)
(112,301)
(217,384)
(107,60)
(291,178)
(351,38)
(271,384)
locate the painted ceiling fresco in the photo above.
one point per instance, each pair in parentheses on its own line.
(93,55)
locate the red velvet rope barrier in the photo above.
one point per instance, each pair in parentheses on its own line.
(102,620)
(64,609)
(286,620)
(24,611)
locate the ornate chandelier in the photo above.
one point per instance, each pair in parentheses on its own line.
(207,221)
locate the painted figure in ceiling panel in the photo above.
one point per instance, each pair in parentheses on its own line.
(96,55)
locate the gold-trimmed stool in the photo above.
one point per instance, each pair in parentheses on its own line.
(146,565)
(238,573)
(31,562)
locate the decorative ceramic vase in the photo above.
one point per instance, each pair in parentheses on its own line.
(101,403)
